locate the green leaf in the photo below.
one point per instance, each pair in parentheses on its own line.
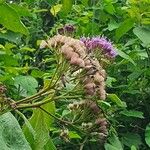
(11,135)
(143,34)
(136,139)
(9,18)
(21,10)
(132,113)
(114,143)
(147,135)
(74,135)
(55,9)
(11,36)
(125,56)
(41,123)
(109,81)
(27,84)
(110,8)
(133,147)
(124,28)
(112,25)
(114,98)
(66,7)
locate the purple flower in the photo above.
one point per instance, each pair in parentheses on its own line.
(100,43)
(69,28)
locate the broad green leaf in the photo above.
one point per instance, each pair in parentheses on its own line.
(10,19)
(143,34)
(124,28)
(114,98)
(132,113)
(27,123)
(114,143)
(22,11)
(136,139)
(41,123)
(147,135)
(125,56)
(66,7)
(11,135)
(27,84)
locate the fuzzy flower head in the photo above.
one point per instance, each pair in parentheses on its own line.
(66,29)
(100,43)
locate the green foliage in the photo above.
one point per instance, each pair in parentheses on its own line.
(24,69)
(114,143)
(147,135)
(40,122)
(11,135)
(11,20)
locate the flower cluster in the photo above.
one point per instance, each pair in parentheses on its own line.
(96,124)
(75,52)
(91,78)
(100,43)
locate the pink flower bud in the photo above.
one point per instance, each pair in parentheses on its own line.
(98,78)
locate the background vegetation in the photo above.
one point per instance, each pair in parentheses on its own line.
(24,68)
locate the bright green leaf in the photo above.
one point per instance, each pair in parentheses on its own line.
(9,18)
(74,135)
(114,98)
(66,7)
(55,9)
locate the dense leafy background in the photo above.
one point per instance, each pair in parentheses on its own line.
(23,66)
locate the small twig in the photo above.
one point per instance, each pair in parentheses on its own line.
(82,144)
(63,121)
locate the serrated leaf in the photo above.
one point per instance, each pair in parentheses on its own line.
(11,135)
(132,113)
(147,135)
(10,19)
